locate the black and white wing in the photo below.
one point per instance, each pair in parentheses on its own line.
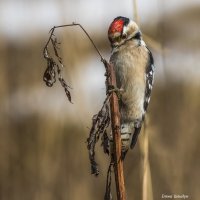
(149,80)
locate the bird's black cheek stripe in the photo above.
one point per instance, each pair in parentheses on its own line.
(126,21)
(137,36)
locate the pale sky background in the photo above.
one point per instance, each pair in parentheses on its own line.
(19,17)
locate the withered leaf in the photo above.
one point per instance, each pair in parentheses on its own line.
(100,122)
(49,76)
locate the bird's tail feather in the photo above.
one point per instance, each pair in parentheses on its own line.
(129,135)
(135,137)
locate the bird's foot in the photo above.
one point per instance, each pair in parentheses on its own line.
(118,91)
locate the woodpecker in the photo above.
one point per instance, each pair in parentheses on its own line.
(134,69)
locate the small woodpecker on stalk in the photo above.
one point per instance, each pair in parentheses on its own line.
(134,70)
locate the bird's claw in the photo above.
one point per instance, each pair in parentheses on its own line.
(118,91)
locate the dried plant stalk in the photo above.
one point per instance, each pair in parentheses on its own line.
(101,121)
(115,121)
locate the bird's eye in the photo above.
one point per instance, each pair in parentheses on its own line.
(117,38)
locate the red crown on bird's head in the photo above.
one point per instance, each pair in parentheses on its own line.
(116,26)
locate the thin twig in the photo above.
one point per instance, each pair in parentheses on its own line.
(108,195)
(50,73)
(73,24)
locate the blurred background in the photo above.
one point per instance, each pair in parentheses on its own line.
(43,154)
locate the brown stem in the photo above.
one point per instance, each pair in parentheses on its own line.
(73,24)
(115,119)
